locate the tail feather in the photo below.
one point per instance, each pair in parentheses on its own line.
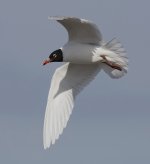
(115,46)
(117,55)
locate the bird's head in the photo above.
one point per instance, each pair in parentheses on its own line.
(56,56)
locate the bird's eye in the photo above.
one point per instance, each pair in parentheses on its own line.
(54,55)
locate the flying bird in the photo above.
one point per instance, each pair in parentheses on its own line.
(85,55)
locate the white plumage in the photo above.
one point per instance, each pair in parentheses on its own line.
(84,56)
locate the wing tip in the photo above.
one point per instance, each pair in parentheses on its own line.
(70,17)
(46,146)
(55,18)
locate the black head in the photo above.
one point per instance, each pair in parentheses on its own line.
(56,56)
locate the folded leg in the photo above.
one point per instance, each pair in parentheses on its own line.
(111,64)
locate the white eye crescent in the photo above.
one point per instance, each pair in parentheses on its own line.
(54,55)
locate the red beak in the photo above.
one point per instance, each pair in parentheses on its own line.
(46,61)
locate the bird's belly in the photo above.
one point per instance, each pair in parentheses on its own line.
(80,53)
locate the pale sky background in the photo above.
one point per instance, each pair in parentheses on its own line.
(111,120)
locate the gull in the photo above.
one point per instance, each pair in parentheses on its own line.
(85,54)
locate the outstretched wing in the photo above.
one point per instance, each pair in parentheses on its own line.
(80,30)
(68,80)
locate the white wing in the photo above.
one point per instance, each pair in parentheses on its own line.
(67,82)
(80,30)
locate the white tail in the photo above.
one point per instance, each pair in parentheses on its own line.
(117,54)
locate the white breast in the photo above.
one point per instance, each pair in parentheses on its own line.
(80,53)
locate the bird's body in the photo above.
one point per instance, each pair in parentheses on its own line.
(85,55)
(81,53)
